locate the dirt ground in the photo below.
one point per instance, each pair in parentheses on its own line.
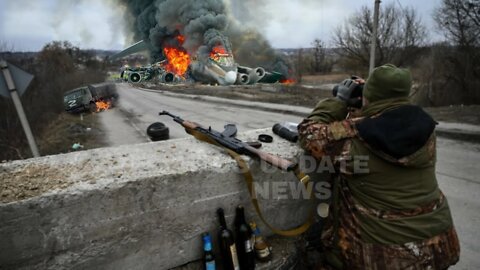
(277,93)
(322,79)
(70,129)
(458,113)
(30,181)
(60,136)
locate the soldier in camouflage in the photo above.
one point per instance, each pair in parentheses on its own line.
(393,214)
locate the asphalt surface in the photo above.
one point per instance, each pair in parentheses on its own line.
(142,107)
(458,164)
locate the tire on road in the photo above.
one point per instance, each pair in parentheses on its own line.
(158,132)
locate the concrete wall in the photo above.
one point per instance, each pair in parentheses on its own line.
(133,207)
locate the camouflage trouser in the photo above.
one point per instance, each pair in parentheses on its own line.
(436,253)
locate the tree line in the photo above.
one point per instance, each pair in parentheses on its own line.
(445,72)
(58,67)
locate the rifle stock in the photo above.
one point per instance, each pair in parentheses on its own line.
(276,161)
(189,125)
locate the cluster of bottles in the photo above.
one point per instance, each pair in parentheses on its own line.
(239,253)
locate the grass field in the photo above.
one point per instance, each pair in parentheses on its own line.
(69,129)
(323,79)
(309,97)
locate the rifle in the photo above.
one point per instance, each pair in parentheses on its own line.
(227,139)
(236,147)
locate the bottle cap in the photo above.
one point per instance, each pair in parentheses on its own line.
(206,237)
(265,138)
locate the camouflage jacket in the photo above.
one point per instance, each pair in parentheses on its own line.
(390,214)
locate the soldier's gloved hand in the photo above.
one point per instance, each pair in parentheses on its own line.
(350,91)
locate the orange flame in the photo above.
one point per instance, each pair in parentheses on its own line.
(218,51)
(287,81)
(103,105)
(181,39)
(178,60)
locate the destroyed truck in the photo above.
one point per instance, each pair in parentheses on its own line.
(85,98)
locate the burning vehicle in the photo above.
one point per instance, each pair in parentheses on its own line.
(92,98)
(150,72)
(137,74)
(218,68)
(191,41)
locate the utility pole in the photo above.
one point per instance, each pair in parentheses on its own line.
(10,84)
(374,35)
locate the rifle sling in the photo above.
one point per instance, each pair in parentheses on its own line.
(249,181)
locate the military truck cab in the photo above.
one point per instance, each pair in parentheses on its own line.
(85,98)
(79,100)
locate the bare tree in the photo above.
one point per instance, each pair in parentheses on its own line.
(401,34)
(57,69)
(321,61)
(299,66)
(318,53)
(459,20)
(5,47)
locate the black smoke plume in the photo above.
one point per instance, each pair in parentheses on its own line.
(204,24)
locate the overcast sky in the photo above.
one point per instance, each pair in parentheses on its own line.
(30,24)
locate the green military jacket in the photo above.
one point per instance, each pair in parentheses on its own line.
(387,211)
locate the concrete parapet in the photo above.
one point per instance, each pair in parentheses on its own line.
(131,207)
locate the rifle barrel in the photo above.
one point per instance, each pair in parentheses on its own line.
(167,113)
(175,118)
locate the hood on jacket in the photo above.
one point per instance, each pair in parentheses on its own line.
(399,132)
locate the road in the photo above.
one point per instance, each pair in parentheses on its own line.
(458,162)
(141,109)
